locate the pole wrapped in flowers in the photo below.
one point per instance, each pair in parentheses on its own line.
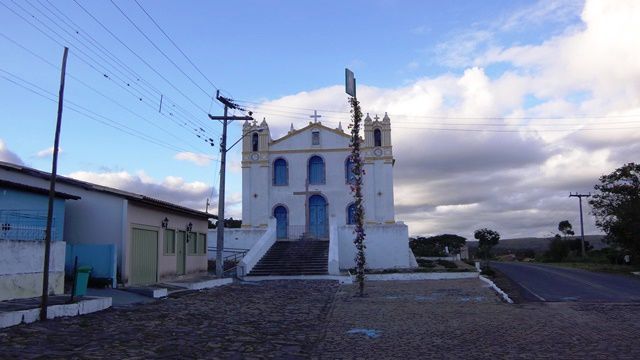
(356,189)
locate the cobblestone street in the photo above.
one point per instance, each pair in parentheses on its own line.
(297,319)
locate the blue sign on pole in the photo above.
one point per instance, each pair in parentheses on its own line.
(350,82)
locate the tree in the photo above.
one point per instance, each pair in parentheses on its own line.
(558,249)
(616,207)
(436,245)
(487,239)
(229,223)
(565,228)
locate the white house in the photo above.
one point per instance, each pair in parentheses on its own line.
(146,240)
(303,182)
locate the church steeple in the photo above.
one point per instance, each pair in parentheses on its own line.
(377,133)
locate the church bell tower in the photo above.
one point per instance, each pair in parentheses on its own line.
(378,167)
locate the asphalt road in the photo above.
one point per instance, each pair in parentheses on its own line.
(550,283)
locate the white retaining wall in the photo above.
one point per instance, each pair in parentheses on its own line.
(21,265)
(258,250)
(387,246)
(242,238)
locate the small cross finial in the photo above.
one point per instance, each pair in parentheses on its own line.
(376,118)
(315,116)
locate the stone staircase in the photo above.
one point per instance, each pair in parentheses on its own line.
(302,257)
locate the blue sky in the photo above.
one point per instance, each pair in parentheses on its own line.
(412,58)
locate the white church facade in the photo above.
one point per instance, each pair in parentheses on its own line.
(299,187)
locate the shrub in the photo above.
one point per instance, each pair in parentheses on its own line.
(487,271)
(447,264)
(426,263)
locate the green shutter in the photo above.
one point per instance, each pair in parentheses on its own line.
(169,242)
(192,246)
(202,244)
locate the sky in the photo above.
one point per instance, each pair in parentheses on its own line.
(499,109)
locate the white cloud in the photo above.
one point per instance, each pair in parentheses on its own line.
(8,155)
(516,182)
(48,152)
(172,189)
(196,158)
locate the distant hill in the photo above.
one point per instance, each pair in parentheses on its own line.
(539,245)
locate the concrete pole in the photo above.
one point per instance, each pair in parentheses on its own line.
(584,253)
(220,226)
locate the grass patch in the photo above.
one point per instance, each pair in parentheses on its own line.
(598,267)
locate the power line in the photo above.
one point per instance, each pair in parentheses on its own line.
(106,52)
(139,57)
(177,47)
(103,73)
(443,117)
(94,116)
(136,77)
(160,50)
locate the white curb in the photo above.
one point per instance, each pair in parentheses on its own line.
(497,289)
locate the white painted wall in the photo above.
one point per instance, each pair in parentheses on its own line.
(259,249)
(21,265)
(387,246)
(243,238)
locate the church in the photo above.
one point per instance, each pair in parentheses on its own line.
(298,187)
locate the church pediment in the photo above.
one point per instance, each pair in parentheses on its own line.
(305,139)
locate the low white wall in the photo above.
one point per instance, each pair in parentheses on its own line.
(242,238)
(259,249)
(387,246)
(334,250)
(21,264)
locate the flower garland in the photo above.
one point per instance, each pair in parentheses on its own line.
(356,188)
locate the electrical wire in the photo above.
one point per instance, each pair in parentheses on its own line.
(137,78)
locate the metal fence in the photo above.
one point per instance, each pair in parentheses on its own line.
(25,225)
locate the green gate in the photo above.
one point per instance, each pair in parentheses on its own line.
(144,256)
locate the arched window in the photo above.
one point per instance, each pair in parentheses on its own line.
(351,214)
(349,176)
(254,142)
(316,170)
(280,172)
(377,137)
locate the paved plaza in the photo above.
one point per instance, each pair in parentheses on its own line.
(321,319)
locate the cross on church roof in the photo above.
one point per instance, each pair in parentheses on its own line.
(376,118)
(315,116)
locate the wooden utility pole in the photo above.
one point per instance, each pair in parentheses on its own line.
(52,193)
(580,196)
(228,104)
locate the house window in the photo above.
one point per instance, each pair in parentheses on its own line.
(254,142)
(315,138)
(349,176)
(201,244)
(377,137)
(169,242)
(316,170)
(280,172)
(351,214)
(192,246)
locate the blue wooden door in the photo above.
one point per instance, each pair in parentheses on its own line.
(280,213)
(318,216)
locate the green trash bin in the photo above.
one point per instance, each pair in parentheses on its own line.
(81,280)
